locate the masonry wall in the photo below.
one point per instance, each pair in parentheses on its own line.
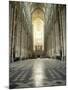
(20,43)
(56,35)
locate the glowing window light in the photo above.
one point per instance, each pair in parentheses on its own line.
(38,29)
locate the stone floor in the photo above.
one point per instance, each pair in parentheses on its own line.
(37,73)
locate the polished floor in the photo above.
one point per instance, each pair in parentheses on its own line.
(37,73)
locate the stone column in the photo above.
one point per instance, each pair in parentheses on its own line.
(13,33)
(63,28)
(64,31)
(61,31)
(57,39)
(10,30)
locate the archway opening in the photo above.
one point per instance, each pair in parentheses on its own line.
(38,30)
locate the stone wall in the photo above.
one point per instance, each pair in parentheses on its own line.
(20,43)
(55,31)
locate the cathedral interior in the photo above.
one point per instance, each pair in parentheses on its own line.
(37,44)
